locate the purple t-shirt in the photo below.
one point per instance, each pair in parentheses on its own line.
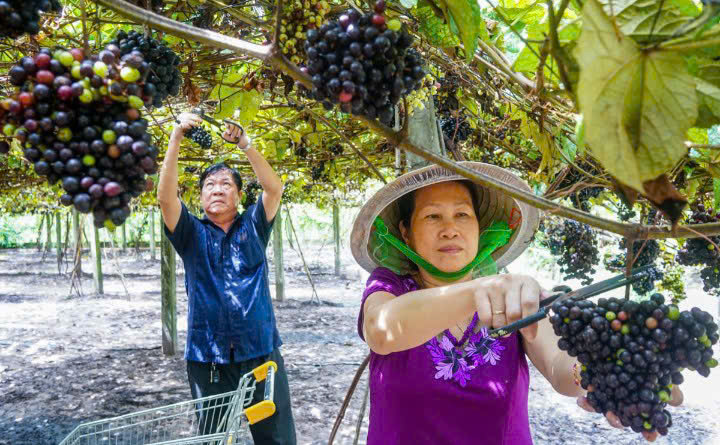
(439,394)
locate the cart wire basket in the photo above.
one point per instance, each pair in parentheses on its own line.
(222,419)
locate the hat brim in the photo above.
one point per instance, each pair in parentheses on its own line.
(494,205)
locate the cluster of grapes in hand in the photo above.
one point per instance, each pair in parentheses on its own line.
(362,64)
(576,246)
(200,136)
(633,353)
(644,252)
(18,17)
(77,118)
(164,78)
(703,252)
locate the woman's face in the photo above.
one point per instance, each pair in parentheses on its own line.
(443,227)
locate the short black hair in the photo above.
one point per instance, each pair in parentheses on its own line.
(237,179)
(406,203)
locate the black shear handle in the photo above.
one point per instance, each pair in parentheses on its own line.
(520,324)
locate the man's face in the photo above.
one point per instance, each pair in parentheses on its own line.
(220,195)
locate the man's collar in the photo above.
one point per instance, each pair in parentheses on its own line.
(207,220)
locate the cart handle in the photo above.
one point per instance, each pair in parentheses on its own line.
(266,408)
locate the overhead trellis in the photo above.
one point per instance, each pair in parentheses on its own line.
(523,113)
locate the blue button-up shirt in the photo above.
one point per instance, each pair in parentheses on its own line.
(226,278)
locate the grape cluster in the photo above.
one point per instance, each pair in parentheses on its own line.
(250,194)
(362,64)
(18,17)
(298,18)
(633,353)
(318,171)
(200,136)
(645,252)
(673,281)
(164,78)
(701,252)
(301,151)
(625,213)
(457,129)
(576,246)
(337,149)
(446,97)
(78,121)
(580,198)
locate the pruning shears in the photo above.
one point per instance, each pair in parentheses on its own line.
(579,294)
(200,112)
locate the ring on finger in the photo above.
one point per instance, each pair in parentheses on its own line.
(498,312)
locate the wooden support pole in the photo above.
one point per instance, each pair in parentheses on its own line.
(48,229)
(278,257)
(336,235)
(58,234)
(152,234)
(124,236)
(96,254)
(77,242)
(168,288)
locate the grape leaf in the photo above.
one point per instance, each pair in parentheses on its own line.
(637,105)
(465,20)
(698,135)
(249,105)
(640,20)
(716,190)
(709,104)
(227,95)
(433,27)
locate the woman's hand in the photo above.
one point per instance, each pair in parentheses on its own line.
(503,299)
(186,122)
(676,399)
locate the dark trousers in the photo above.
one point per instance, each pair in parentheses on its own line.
(278,429)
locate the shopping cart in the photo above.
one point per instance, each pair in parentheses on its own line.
(216,420)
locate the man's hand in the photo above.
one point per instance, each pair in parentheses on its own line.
(236,135)
(186,122)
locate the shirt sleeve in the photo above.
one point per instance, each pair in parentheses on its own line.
(262,226)
(185,233)
(380,280)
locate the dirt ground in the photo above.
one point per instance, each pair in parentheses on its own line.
(64,361)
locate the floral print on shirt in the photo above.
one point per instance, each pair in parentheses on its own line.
(457,363)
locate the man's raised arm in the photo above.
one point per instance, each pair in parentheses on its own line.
(167,194)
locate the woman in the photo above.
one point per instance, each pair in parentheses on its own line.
(435,375)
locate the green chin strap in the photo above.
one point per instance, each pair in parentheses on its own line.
(496,236)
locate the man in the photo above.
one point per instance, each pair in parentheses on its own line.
(231,324)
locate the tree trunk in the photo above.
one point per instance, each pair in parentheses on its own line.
(169,296)
(152,234)
(278,257)
(96,254)
(336,236)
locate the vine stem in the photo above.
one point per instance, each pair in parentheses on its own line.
(269,55)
